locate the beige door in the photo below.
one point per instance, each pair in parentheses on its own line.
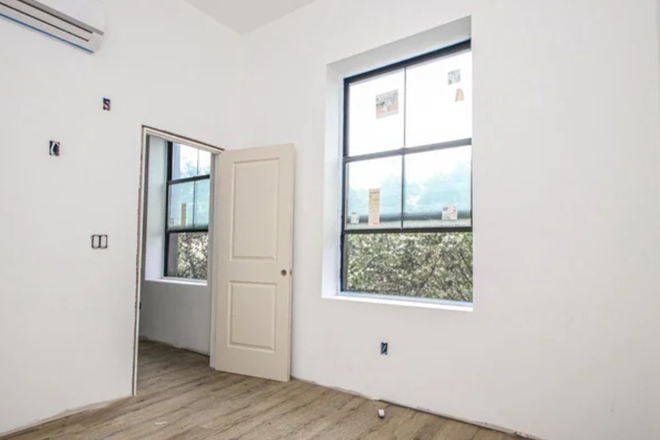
(253,257)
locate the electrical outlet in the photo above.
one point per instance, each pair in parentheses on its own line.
(384,348)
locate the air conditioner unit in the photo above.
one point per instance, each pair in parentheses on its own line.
(79,23)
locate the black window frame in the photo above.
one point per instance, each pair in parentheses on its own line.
(170,230)
(402,152)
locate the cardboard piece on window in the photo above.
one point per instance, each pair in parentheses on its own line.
(184,211)
(374,207)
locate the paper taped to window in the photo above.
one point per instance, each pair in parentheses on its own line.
(374,207)
(387,104)
(184,212)
(450,213)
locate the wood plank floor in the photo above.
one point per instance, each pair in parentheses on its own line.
(181,398)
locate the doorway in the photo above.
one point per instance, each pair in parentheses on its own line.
(175,292)
(226,216)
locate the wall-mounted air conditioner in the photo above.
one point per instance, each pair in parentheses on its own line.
(79,23)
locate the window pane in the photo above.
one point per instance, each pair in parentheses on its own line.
(182,196)
(184,161)
(363,176)
(202,199)
(427,265)
(189,162)
(187,256)
(438,188)
(439,100)
(375,114)
(204,163)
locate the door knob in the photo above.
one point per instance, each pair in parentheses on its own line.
(283,272)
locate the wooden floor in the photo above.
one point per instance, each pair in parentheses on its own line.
(180,397)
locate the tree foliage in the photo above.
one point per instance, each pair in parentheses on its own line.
(425,265)
(192,249)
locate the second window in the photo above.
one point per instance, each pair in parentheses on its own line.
(188,201)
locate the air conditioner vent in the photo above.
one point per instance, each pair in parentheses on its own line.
(79,23)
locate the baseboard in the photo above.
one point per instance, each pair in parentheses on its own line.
(341,390)
(427,411)
(169,344)
(64,414)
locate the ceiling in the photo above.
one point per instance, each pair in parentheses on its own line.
(246,15)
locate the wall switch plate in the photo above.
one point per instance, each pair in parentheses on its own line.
(99,241)
(54,148)
(384,348)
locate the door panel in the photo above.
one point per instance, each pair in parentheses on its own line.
(255,219)
(251,316)
(254,247)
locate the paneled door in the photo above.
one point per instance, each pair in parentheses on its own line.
(253,261)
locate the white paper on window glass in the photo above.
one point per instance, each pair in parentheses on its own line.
(355,218)
(450,213)
(454,77)
(439,108)
(387,104)
(184,210)
(374,207)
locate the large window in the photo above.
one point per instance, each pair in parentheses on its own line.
(188,200)
(407,198)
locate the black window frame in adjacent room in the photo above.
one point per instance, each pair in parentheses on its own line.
(177,230)
(402,152)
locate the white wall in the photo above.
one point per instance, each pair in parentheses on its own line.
(178,314)
(567,226)
(66,311)
(156,208)
(175,312)
(562,340)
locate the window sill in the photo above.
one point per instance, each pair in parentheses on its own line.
(398,301)
(180,281)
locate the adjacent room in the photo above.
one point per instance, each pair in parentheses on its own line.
(330,219)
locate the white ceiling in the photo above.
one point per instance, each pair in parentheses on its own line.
(246,15)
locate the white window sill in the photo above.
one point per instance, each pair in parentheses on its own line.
(399,301)
(180,281)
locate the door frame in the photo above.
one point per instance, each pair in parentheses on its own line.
(141,230)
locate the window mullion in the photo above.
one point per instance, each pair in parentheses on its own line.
(403,154)
(403,186)
(166,251)
(194,203)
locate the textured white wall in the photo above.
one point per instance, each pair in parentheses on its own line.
(66,311)
(567,206)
